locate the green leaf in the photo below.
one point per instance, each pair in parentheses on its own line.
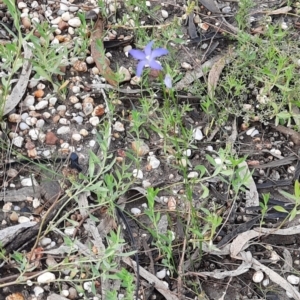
(280,209)
(202,170)
(205,191)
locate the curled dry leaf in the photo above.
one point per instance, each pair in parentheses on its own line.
(99,57)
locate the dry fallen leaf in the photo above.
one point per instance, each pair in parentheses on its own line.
(99,56)
(214,75)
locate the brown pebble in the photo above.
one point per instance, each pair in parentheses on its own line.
(14,217)
(62,25)
(51,138)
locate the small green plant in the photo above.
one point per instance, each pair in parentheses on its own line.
(295,198)
(264,207)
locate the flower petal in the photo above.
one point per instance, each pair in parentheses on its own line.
(168,81)
(148,48)
(159,52)
(154,64)
(137,54)
(140,67)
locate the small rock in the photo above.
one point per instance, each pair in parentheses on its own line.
(80,66)
(226,10)
(78,119)
(64,121)
(98,111)
(292,279)
(40,123)
(12,172)
(92,143)
(50,261)
(29,101)
(69,231)
(135,211)
(51,138)
(87,108)
(73,99)
(15,118)
(75,89)
(66,16)
(146,183)
(73,293)
(197,134)
(14,217)
(74,22)
(76,137)
(187,152)
(30,181)
(94,121)
(193,174)
(84,132)
(41,105)
(137,174)
(18,141)
(45,242)
(46,278)
(36,203)
(65,293)
(38,291)
(161,274)
(23,126)
(63,130)
(164,14)
(87,285)
(118,126)
(126,49)
(89,60)
(258,276)
(23,219)
(34,133)
(7,207)
(186,66)
(153,161)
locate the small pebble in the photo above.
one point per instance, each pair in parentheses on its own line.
(161,274)
(38,291)
(87,285)
(7,207)
(45,241)
(137,174)
(118,126)
(258,276)
(69,231)
(135,211)
(292,279)
(94,121)
(14,217)
(46,278)
(63,130)
(153,161)
(76,137)
(41,105)
(74,22)
(197,134)
(193,174)
(164,14)
(23,219)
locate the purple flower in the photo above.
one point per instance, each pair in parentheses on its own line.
(147,58)
(168,81)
